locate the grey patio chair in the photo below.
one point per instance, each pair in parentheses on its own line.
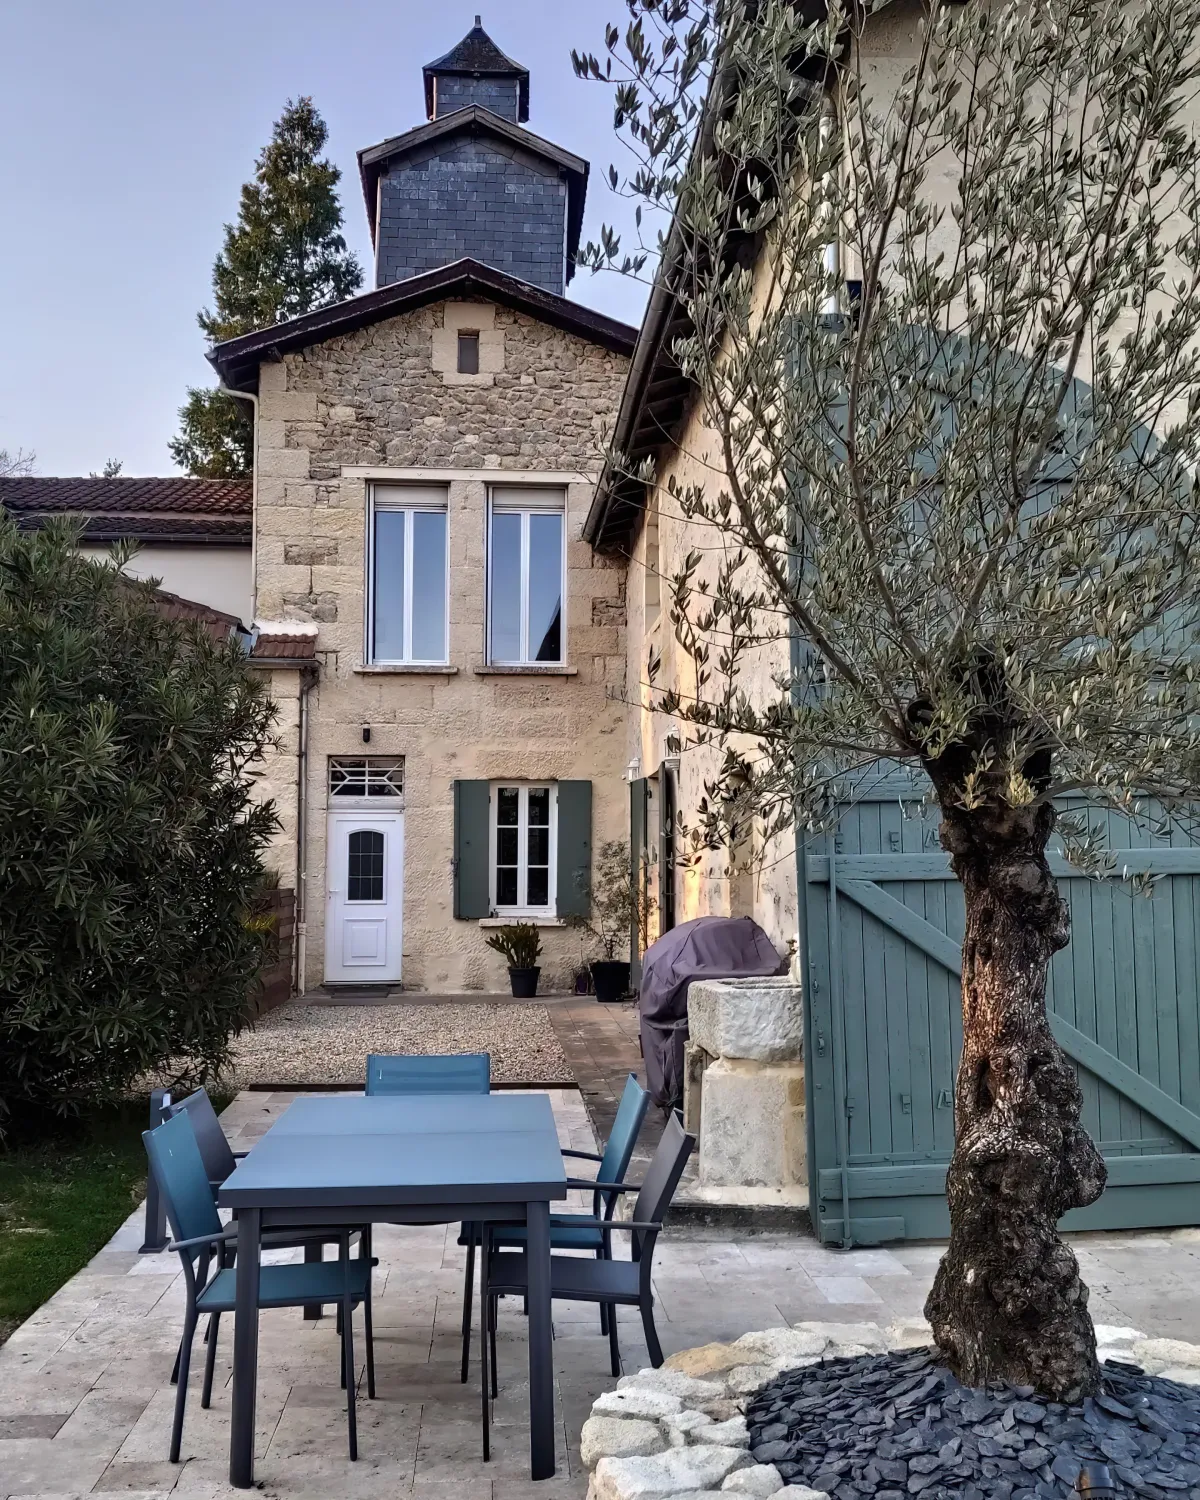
(571,1231)
(578,1279)
(200,1239)
(220,1161)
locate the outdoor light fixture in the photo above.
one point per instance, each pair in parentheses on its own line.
(366,734)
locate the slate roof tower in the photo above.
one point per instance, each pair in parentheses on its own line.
(474,183)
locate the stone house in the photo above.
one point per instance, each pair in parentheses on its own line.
(446,651)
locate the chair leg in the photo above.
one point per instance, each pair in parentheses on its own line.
(175,1366)
(614,1349)
(210,1360)
(369,1334)
(348,1365)
(484,1303)
(652,1344)
(185,1360)
(493,1319)
(468,1299)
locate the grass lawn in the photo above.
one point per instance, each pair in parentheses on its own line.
(60,1202)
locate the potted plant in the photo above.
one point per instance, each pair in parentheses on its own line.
(615,900)
(520,946)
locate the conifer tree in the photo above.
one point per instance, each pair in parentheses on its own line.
(285,256)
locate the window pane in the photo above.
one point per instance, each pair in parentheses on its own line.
(429,586)
(468,354)
(539,806)
(545,586)
(507,846)
(508,803)
(365,875)
(506,886)
(539,885)
(505,587)
(539,846)
(388,644)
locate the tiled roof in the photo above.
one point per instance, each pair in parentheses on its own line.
(177,494)
(176,509)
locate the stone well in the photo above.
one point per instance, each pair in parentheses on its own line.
(744,1090)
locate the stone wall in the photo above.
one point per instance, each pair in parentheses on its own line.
(455,91)
(474,196)
(758,879)
(374,406)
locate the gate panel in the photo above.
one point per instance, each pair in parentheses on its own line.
(884,921)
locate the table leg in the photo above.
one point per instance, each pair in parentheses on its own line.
(313,1252)
(245,1349)
(541,1352)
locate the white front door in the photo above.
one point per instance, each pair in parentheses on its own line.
(365,898)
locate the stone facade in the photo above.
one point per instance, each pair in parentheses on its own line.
(472,196)
(456,91)
(380,405)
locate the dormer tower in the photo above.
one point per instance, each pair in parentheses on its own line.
(477,72)
(473,183)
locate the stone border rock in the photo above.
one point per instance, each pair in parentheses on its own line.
(680,1431)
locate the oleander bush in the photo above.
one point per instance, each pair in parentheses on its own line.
(130,839)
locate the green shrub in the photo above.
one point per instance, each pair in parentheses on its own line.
(130,843)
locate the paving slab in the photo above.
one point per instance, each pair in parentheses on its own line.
(85,1398)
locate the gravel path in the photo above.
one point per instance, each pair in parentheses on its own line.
(311,1044)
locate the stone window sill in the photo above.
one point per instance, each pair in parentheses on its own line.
(403,669)
(535,920)
(530,670)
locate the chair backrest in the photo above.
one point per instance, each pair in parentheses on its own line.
(662,1178)
(215,1150)
(466,1073)
(182,1181)
(623,1138)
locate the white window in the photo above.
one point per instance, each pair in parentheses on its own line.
(526,576)
(408,597)
(524,849)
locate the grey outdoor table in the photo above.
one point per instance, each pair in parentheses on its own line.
(423,1159)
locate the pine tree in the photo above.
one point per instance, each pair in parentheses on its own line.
(285,256)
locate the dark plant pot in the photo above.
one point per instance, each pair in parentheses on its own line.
(524,983)
(611,980)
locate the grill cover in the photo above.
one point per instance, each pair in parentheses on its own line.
(705,948)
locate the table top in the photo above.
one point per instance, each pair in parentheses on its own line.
(341,1151)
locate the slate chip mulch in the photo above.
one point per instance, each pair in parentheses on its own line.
(890,1426)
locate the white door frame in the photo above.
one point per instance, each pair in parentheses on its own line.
(364,938)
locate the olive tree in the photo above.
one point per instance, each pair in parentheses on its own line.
(943,340)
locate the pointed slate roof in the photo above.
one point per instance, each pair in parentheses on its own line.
(477,54)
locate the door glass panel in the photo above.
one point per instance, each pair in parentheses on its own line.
(429,586)
(364,881)
(388,644)
(545,586)
(505,587)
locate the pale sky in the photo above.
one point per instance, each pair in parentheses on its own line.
(127,128)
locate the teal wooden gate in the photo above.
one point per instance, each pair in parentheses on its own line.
(884,919)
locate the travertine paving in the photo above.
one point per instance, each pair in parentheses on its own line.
(85,1398)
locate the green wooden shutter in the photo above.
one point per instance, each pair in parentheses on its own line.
(639,798)
(472,883)
(574,897)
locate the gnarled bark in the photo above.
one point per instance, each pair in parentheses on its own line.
(1008,1302)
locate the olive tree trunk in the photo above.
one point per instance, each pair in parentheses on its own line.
(1008,1302)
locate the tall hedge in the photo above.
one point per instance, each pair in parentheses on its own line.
(130,842)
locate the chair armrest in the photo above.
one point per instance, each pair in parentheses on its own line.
(591,1186)
(238,1155)
(584,1155)
(204,1239)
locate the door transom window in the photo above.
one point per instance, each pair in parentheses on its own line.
(380,776)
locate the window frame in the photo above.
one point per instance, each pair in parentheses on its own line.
(523,911)
(395,503)
(471,337)
(528,505)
